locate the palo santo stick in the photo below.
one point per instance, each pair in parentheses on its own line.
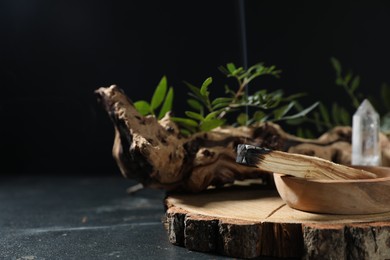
(297,165)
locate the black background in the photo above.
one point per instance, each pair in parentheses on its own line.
(54,54)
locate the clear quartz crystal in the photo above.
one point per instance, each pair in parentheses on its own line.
(365,136)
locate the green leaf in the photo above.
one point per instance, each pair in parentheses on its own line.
(212,115)
(185,121)
(385,123)
(231,67)
(223,70)
(355,83)
(221,100)
(194,115)
(336,114)
(294,97)
(336,65)
(195,104)
(296,121)
(142,107)
(339,81)
(324,114)
(348,77)
(270,69)
(167,105)
(271,102)
(298,106)
(211,124)
(259,116)
(280,112)
(185,132)
(256,69)
(308,134)
(317,119)
(205,85)
(159,93)
(195,90)
(300,132)
(340,115)
(200,99)
(302,113)
(229,91)
(305,133)
(191,129)
(345,117)
(385,95)
(242,119)
(221,105)
(239,73)
(277,94)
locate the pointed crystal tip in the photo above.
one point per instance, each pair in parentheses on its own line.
(365,108)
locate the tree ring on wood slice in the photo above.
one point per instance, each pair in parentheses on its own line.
(253,221)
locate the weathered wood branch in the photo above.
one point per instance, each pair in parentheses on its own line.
(154,153)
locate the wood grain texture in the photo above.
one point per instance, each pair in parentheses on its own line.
(298,165)
(347,196)
(249,222)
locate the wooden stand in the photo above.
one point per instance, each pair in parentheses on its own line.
(253,221)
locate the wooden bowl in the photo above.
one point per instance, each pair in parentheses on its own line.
(367,196)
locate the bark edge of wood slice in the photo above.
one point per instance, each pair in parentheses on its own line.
(249,222)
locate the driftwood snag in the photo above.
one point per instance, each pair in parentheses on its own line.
(155,154)
(249,222)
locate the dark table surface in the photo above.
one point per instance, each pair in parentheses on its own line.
(59,217)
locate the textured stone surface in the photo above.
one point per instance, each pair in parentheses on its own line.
(83,218)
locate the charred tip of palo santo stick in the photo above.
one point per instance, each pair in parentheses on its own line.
(250,155)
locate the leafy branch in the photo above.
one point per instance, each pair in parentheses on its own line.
(333,114)
(244,77)
(348,81)
(272,106)
(160,98)
(204,116)
(207,113)
(328,116)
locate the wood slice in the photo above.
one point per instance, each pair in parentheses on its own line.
(253,221)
